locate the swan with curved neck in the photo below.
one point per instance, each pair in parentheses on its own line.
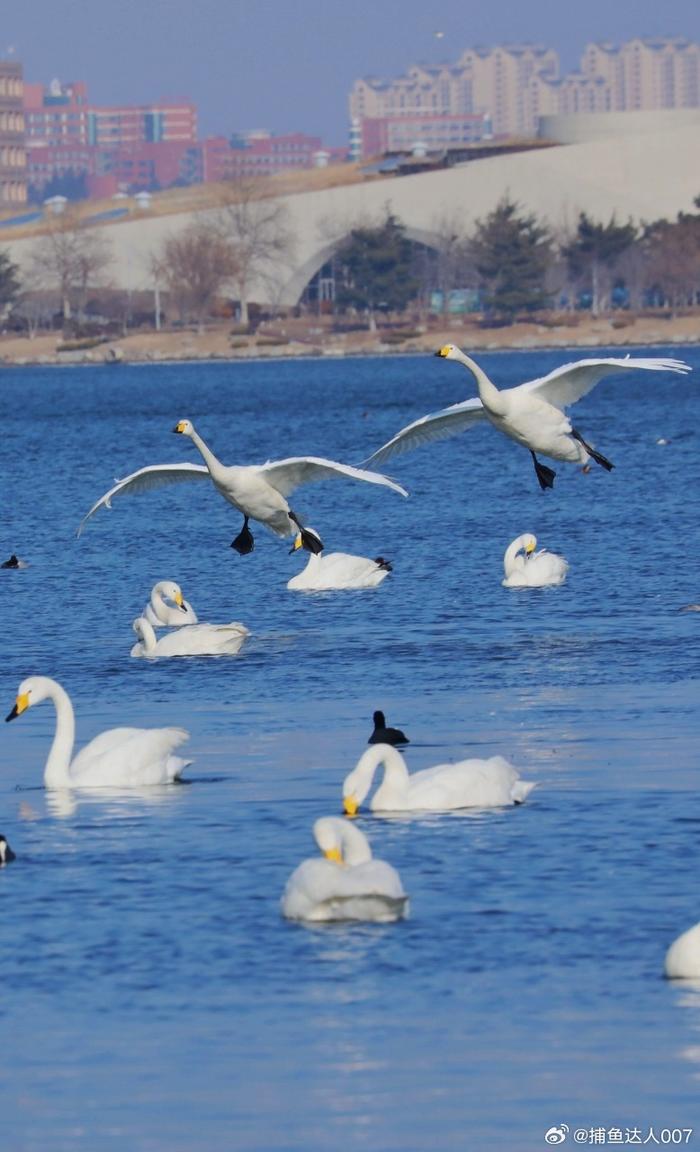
(191,640)
(526,568)
(492,783)
(258,491)
(336,570)
(119,757)
(162,615)
(347,883)
(531,413)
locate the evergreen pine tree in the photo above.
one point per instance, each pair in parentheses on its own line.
(512,253)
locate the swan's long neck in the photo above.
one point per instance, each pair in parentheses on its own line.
(147,634)
(57,770)
(489,395)
(215,466)
(511,561)
(158,604)
(355,845)
(395,770)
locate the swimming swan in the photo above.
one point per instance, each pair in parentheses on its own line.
(383,735)
(492,783)
(120,757)
(533,569)
(337,570)
(192,640)
(6,853)
(531,413)
(162,615)
(683,957)
(258,491)
(348,884)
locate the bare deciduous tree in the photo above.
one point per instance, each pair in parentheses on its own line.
(72,258)
(195,265)
(258,232)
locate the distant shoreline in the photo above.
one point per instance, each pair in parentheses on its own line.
(302,339)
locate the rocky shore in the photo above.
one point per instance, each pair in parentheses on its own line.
(309,338)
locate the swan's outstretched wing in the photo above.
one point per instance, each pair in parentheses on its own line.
(286,475)
(436,426)
(153,476)
(569,383)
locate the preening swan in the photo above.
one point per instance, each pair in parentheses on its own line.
(258,491)
(492,783)
(120,757)
(683,957)
(336,570)
(162,615)
(6,853)
(525,568)
(383,735)
(531,413)
(348,884)
(191,640)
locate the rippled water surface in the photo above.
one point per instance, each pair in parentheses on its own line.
(152,996)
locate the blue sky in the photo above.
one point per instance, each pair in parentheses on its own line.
(289,64)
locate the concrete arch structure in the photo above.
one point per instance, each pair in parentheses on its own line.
(642,176)
(293,289)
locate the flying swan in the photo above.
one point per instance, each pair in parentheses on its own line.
(162,615)
(258,491)
(347,884)
(337,570)
(118,758)
(532,569)
(492,783)
(683,957)
(191,640)
(530,414)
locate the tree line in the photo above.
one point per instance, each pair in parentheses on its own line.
(510,265)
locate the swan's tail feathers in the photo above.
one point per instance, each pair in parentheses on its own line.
(545,475)
(597,456)
(522,789)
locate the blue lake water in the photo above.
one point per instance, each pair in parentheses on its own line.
(152,996)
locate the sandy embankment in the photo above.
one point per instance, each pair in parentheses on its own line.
(307,337)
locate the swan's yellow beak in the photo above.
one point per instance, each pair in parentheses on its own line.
(180,426)
(530,547)
(178,599)
(298,543)
(21,705)
(350,805)
(444,351)
(334,854)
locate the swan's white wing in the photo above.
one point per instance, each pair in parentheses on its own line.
(286,475)
(569,383)
(153,476)
(435,426)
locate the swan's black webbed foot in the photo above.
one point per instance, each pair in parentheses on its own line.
(310,540)
(597,456)
(244,542)
(545,475)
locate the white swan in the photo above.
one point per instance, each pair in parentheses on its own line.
(6,853)
(348,884)
(191,640)
(533,569)
(120,757)
(162,615)
(683,957)
(531,413)
(258,491)
(492,783)
(336,570)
